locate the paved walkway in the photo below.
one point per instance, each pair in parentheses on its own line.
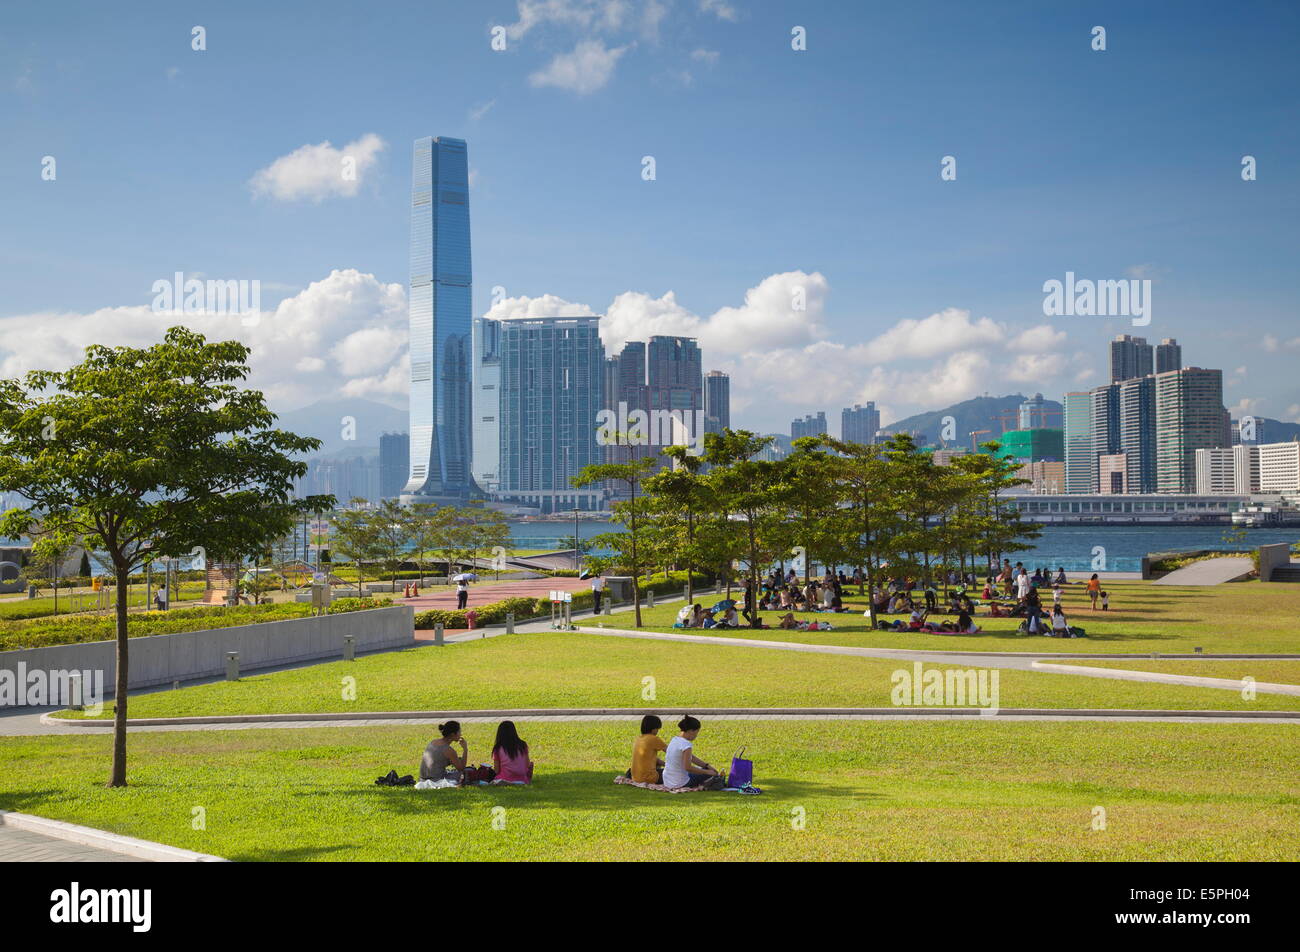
(444,596)
(26,846)
(1208,572)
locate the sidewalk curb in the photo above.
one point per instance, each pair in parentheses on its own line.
(637,712)
(1164,677)
(102,839)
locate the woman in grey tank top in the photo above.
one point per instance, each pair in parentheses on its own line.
(441,760)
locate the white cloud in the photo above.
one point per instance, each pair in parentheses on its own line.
(719,8)
(548,305)
(705,56)
(584,70)
(481,110)
(948,330)
(586,15)
(316,172)
(346,332)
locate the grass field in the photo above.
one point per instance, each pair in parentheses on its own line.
(866,790)
(1242,617)
(548,670)
(1275,672)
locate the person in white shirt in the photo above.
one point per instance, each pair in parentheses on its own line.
(679,758)
(1022,584)
(597,591)
(1060,627)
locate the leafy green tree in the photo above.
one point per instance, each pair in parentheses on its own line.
(392,534)
(628,545)
(157,444)
(355,533)
(680,505)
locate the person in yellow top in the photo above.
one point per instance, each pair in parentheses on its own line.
(647,766)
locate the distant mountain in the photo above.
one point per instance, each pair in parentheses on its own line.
(324,420)
(978,413)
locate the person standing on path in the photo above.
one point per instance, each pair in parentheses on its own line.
(597,591)
(462,593)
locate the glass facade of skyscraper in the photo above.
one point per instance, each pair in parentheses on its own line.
(440,313)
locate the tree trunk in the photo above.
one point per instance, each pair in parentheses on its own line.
(118,778)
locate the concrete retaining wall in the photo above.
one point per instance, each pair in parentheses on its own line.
(162,659)
(1271,557)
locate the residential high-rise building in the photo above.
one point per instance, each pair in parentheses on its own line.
(717,402)
(1169,356)
(394,463)
(486,433)
(1105,429)
(859,424)
(550,398)
(1112,474)
(1079,461)
(1129,357)
(1137,432)
(1189,416)
(674,375)
(809,426)
(1245,469)
(440,311)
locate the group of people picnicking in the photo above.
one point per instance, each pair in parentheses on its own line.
(672,764)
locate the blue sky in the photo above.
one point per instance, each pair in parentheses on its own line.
(774,169)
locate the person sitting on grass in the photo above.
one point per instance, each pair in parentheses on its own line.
(966,625)
(788,621)
(681,767)
(918,618)
(1060,627)
(1060,576)
(647,767)
(510,756)
(730,618)
(440,760)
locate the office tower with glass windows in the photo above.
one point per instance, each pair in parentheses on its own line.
(440,312)
(1169,356)
(859,424)
(1129,357)
(486,436)
(394,463)
(551,397)
(1105,429)
(1189,416)
(1079,461)
(1137,432)
(717,402)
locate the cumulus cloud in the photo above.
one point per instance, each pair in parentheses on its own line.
(583,71)
(344,333)
(586,15)
(720,9)
(317,172)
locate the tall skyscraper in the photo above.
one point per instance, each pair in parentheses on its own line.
(1137,432)
(809,426)
(717,402)
(1079,460)
(440,311)
(1105,430)
(1169,356)
(674,374)
(1129,357)
(551,396)
(394,463)
(486,456)
(1189,416)
(1033,413)
(859,424)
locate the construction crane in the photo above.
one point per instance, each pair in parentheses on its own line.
(974,439)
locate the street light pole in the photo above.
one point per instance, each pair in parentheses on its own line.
(577,545)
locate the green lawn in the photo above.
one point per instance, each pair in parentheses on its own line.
(558,669)
(20,606)
(1274,672)
(1236,618)
(866,790)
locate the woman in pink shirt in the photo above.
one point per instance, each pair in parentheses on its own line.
(510,756)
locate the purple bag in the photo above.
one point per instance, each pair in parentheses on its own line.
(742,771)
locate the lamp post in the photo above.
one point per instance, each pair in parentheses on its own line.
(577,543)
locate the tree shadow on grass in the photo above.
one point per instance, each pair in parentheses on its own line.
(569,789)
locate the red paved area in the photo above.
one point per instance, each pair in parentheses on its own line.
(485,592)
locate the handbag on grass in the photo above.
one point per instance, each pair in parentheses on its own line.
(742,770)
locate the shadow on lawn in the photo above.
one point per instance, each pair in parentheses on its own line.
(572,789)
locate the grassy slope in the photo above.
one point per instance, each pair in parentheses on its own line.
(1243,617)
(873,790)
(547,669)
(1275,672)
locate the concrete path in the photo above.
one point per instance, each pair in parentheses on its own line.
(1208,572)
(26,846)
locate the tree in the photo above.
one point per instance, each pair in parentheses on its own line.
(152,445)
(84,569)
(628,513)
(680,504)
(754,493)
(356,538)
(392,534)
